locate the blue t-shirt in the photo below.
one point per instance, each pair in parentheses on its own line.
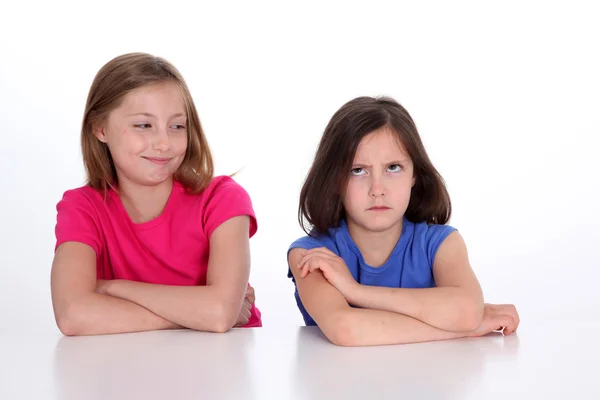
(410,265)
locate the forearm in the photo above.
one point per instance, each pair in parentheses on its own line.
(446,308)
(363,327)
(97,314)
(202,308)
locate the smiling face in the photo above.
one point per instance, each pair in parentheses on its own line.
(379,187)
(147,134)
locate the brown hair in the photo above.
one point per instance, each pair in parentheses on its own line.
(320,198)
(115,79)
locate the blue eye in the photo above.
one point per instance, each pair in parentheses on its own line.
(357,171)
(395,168)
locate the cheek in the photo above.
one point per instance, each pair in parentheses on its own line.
(179,144)
(352,194)
(132,143)
(405,189)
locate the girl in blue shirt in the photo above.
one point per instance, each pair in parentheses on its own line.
(379,264)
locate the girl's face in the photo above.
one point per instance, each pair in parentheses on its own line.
(147,134)
(380,183)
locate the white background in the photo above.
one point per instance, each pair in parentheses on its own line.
(506,97)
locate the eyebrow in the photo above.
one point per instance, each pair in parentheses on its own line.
(384,163)
(154,116)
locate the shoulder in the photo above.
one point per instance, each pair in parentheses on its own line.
(221,200)
(428,237)
(315,240)
(223,185)
(79,218)
(430,231)
(222,189)
(83,198)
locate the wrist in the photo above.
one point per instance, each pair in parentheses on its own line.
(353,293)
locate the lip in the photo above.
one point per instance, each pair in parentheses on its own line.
(379,208)
(158,160)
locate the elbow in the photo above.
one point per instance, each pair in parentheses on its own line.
(471,315)
(340,330)
(67,327)
(224,317)
(69,321)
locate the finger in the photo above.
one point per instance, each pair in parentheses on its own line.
(317,267)
(325,254)
(506,322)
(306,259)
(242,321)
(307,255)
(316,250)
(318,253)
(328,260)
(509,329)
(512,327)
(311,265)
(307,269)
(250,294)
(300,262)
(508,310)
(515,314)
(497,324)
(246,313)
(304,271)
(320,264)
(322,250)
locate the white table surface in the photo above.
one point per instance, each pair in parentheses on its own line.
(542,361)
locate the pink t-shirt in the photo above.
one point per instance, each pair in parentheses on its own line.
(171,249)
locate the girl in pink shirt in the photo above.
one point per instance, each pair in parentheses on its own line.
(153,241)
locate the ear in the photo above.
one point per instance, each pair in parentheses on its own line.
(99,131)
(414,180)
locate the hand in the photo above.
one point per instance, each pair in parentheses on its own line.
(333,268)
(250,294)
(245,313)
(498,317)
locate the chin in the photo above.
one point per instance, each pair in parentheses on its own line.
(380,226)
(155,181)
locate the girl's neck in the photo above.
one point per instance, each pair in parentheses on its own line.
(144,203)
(375,247)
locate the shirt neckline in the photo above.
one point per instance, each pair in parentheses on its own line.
(164,215)
(363,264)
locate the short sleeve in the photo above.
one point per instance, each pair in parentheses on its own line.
(76,221)
(227,199)
(436,234)
(311,242)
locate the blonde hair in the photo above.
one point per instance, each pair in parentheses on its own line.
(113,81)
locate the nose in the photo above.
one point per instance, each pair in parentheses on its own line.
(376,189)
(161,142)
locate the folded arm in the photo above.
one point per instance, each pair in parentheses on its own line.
(347,326)
(127,306)
(79,310)
(455,304)
(214,307)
